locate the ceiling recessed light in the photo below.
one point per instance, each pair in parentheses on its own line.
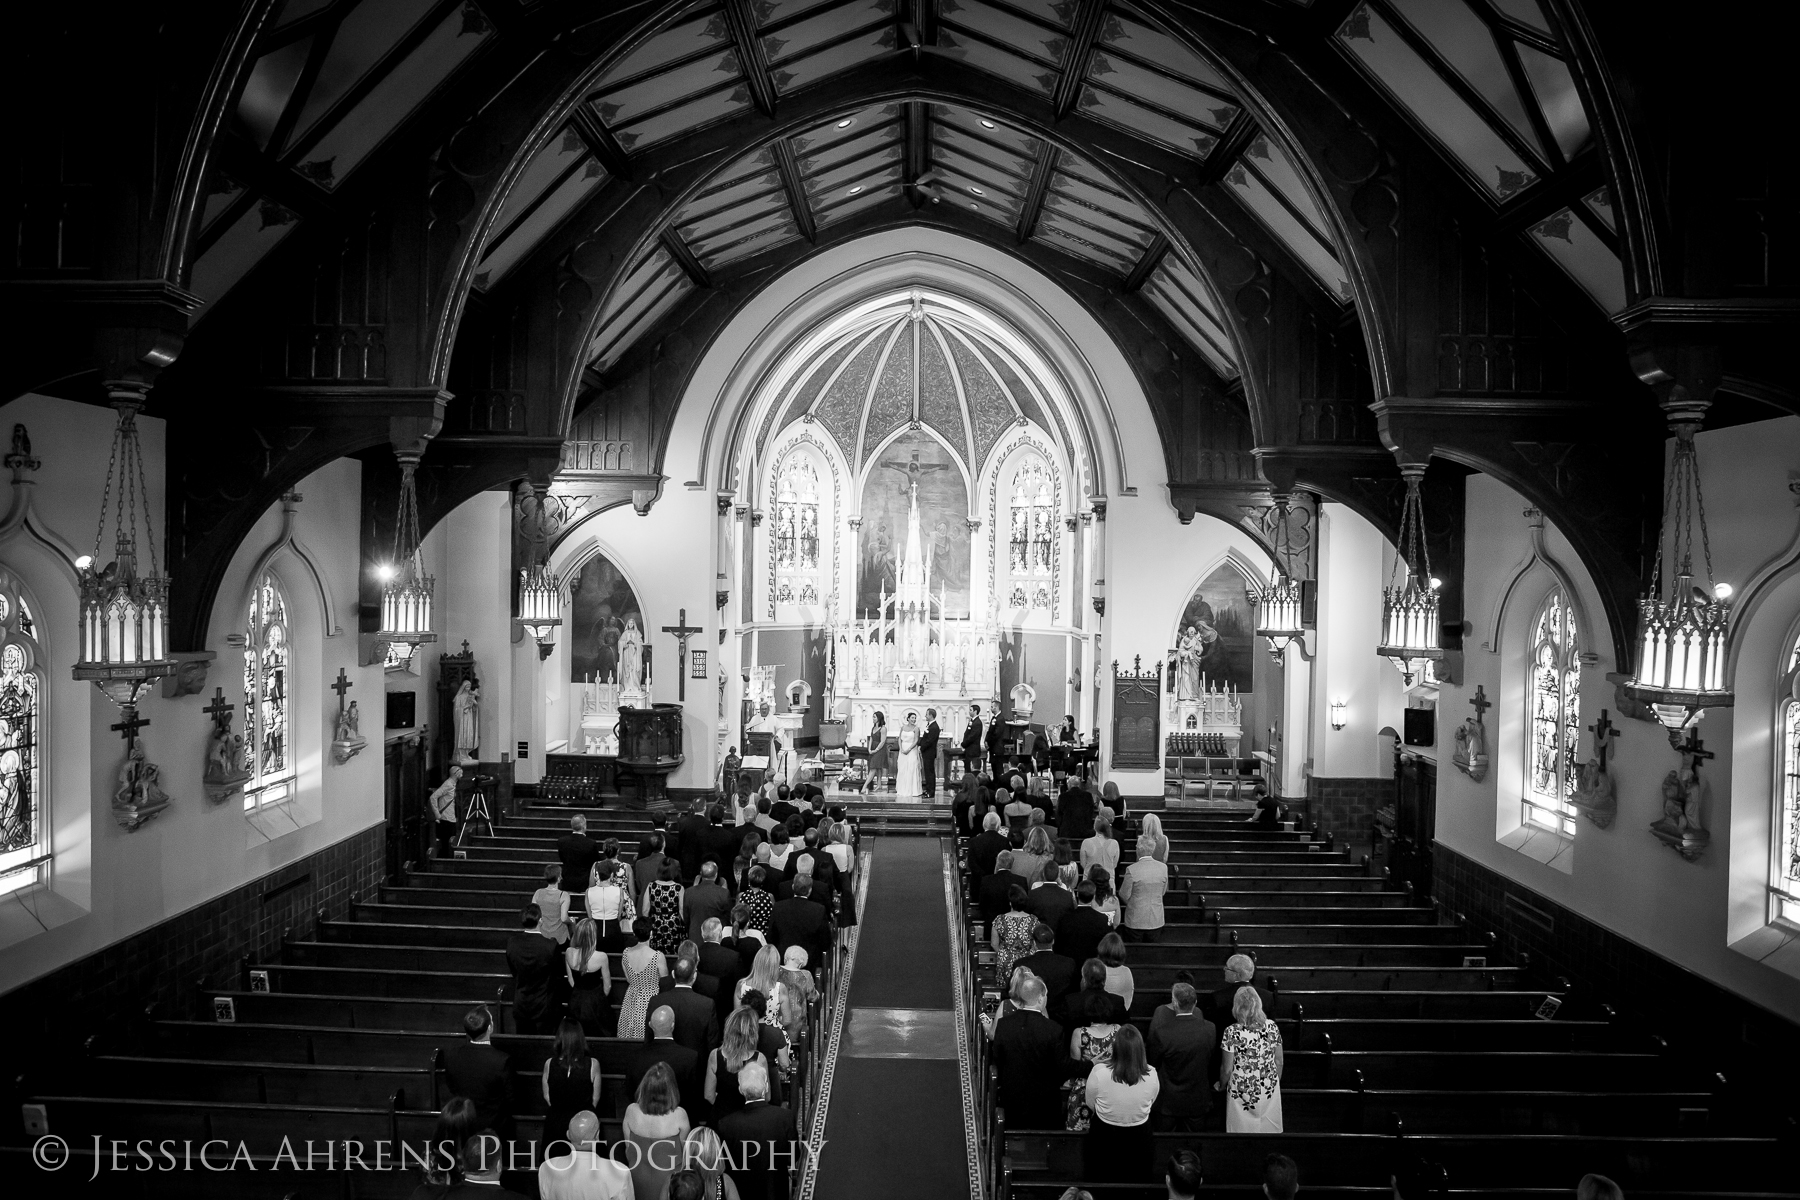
(976,190)
(855,189)
(846,123)
(986,124)
(974,205)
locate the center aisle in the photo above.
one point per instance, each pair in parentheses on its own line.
(894,1127)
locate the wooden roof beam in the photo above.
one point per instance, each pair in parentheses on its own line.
(684,258)
(750,55)
(1084,31)
(788,167)
(1037,191)
(600,142)
(1148,262)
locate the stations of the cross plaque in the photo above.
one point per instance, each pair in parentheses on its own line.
(682,631)
(218,710)
(128,728)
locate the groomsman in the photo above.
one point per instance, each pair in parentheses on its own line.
(971,742)
(928,753)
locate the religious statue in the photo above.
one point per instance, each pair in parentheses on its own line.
(1471,753)
(631,657)
(1189,649)
(224,773)
(1596,795)
(348,738)
(139,795)
(466,711)
(1685,796)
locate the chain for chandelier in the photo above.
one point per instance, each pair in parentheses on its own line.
(1682,628)
(1409,609)
(124,606)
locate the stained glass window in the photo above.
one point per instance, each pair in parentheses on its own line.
(1031,539)
(269,746)
(23,844)
(797,532)
(1552,765)
(1785,881)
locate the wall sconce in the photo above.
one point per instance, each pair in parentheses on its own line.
(1340,714)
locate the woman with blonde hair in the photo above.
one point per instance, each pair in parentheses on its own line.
(764,977)
(703,1154)
(1040,848)
(1101,850)
(1142,890)
(656,1124)
(589,973)
(1250,1070)
(1151,828)
(736,1048)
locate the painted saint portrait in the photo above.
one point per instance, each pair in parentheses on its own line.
(1218,626)
(915,457)
(600,603)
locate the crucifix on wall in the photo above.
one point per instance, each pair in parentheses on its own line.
(347,736)
(682,631)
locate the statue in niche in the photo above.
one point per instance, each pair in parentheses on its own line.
(1685,798)
(631,657)
(1471,753)
(466,713)
(1189,649)
(1596,792)
(224,773)
(140,785)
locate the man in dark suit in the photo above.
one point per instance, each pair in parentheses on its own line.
(649,861)
(928,744)
(801,921)
(690,832)
(1180,1047)
(707,898)
(1059,974)
(991,890)
(761,1138)
(721,962)
(662,1047)
(996,747)
(784,806)
(971,741)
(1078,934)
(1031,1055)
(696,1016)
(476,1069)
(536,965)
(578,853)
(1075,810)
(719,843)
(986,846)
(1050,899)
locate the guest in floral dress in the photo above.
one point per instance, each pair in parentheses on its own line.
(1251,1068)
(1090,1043)
(643,966)
(664,906)
(758,900)
(1012,932)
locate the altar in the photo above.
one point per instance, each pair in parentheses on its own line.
(911,654)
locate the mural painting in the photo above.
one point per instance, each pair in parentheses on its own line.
(914,457)
(601,602)
(1223,625)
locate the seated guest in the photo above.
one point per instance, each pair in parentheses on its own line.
(1040,848)
(1078,934)
(991,891)
(761,1138)
(1281,1178)
(1146,882)
(585,1173)
(1011,932)
(553,905)
(1102,849)
(1057,972)
(476,1069)
(1119,981)
(1121,1094)
(986,846)
(1268,810)
(1182,1175)
(655,1124)
(1093,979)
(578,852)
(1091,1043)
(1031,1058)
(535,962)
(1181,1050)
(1051,897)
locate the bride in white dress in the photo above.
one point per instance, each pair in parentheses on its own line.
(908,785)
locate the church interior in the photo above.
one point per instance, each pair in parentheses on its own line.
(533,518)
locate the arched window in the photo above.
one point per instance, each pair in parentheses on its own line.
(269,746)
(24,840)
(1554,718)
(1032,535)
(797,533)
(1784,871)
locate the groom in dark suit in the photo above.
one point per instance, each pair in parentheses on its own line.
(928,742)
(971,742)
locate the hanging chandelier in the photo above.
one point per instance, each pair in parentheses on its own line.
(124,611)
(540,593)
(405,587)
(1279,609)
(1681,639)
(1409,609)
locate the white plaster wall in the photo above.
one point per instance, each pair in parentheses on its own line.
(111,883)
(475,591)
(1354,560)
(1623,878)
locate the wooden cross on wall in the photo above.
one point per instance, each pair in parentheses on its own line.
(128,728)
(1481,704)
(1604,732)
(342,686)
(218,710)
(682,631)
